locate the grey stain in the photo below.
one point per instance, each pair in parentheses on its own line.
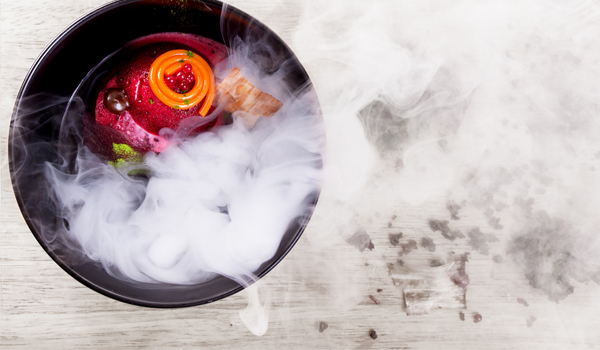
(453,208)
(436,263)
(395,238)
(442,227)
(545,251)
(408,247)
(493,221)
(361,240)
(479,240)
(427,243)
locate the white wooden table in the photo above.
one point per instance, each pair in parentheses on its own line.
(509,114)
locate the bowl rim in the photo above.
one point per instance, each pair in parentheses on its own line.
(115,4)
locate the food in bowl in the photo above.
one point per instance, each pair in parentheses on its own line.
(169,78)
(189,172)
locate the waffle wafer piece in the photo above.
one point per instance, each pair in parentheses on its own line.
(237,94)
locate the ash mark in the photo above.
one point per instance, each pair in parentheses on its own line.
(435,263)
(395,238)
(323,326)
(546,252)
(442,227)
(493,221)
(522,301)
(434,110)
(530,321)
(408,247)
(361,240)
(453,208)
(427,243)
(479,240)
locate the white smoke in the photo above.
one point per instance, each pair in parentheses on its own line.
(491,105)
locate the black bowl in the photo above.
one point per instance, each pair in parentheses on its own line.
(58,72)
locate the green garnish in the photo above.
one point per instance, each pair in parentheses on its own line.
(184,95)
(176,107)
(181,61)
(151,101)
(187,102)
(124,154)
(190,54)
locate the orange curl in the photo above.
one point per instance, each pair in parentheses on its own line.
(204,80)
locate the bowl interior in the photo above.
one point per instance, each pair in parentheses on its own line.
(58,72)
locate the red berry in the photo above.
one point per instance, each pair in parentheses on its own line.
(180,75)
(190,78)
(169,80)
(187,68)
(184,86)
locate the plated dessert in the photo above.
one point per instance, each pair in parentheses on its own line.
(168,78)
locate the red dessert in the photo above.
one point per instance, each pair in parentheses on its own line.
(128,110)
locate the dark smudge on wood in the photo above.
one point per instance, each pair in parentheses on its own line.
(442,227)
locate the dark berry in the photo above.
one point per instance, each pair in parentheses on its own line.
(115,100)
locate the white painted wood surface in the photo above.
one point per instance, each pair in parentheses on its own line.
(43,307)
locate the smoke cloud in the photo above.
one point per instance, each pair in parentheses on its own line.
(479,116)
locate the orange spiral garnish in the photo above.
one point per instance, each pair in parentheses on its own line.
(204,84)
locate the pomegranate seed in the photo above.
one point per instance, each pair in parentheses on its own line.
(187,68)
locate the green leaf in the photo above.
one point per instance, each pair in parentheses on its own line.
(190,54)
(181,61)
(187,102)
(151,101)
